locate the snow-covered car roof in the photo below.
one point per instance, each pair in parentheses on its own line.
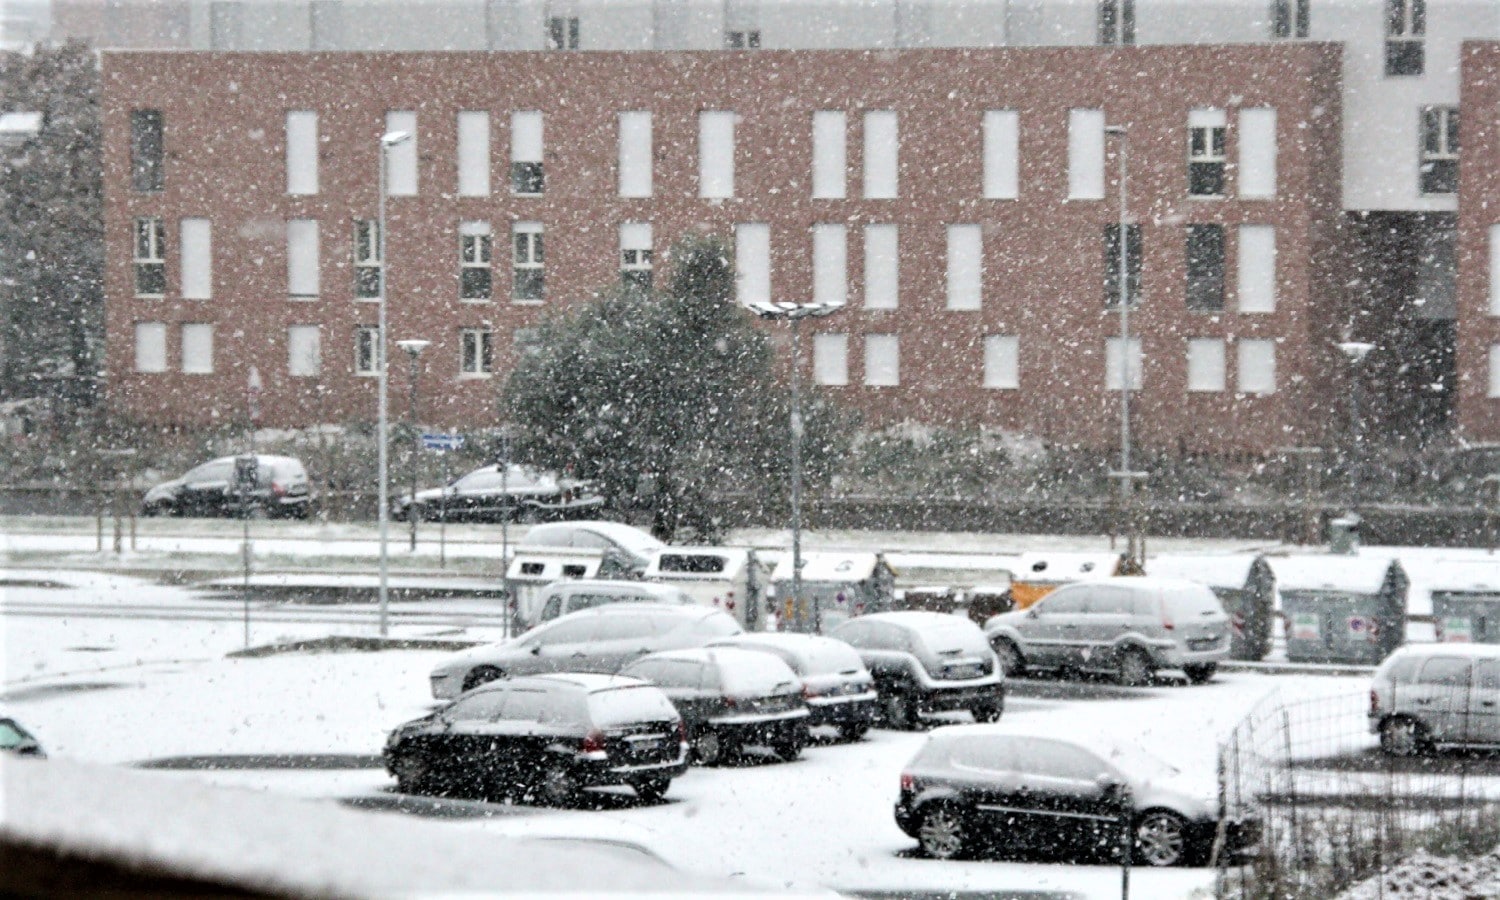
(747,671)
(816,653)
(563,534)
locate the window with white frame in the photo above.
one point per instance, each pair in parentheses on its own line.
(1206,129)
(1257,140)
(830,264)
(1086,154)
(752,263)
(1405,32)
(196,249)
(526,175)
(1205,365)
(1290,18)
(1116,22)
(150,263)
(1439,166)
(748,39)
(882,360)
(1113,361)
(882,154)
(1257,269)
(150,347)
(367,264)
(198,349)
(635,254)
(1257,366)
(635,154)
(830,163)
(473,153)
(562,33)
(476,352)
(301,152)
(882,266)
(302,259)
(1494,390)
(475,273)
(965,266)
(831,359)
(304,351)
(401,159)
(1002,362)
(715,154)
(528,279)
(1002,137)
(367,350)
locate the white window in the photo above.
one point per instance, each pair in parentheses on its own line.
(302,259)
(635,254)
(882,154)
(830,164)
(882,267)
(1494,370)
(1439,168)
(965,266)
(1112,361)
(1205,364)
(367,266)
(476,352)
(831,359)
(150,347)
(1002,138)
(475,268)
(197,259)
(473,153)
(882,360)
(526,175)
(1257,367)
(1257,174)
(1002,362)
(715,154)
(304,351)
(752,263)
(1086,154)
(528,279)
(301,152)
(198,349)
(1290,18)
(150,264)
(1206,129)
(401,159)
(1495,270)
(635,154)
(830,264)
(1257,265)
(367,350)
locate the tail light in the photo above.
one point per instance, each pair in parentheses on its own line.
(682,735)
(908,782)
(729,702)
(808,692)
(593,742)
(1168,624)
(1374,702)
(278,489)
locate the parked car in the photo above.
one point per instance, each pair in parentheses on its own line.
(497,493)
(730,698)
(603,639)
(1426,696)
(838,688)
(17,740)
(570,596)
(972,788)
(548,735)
(634,547)
(1129,626)
(926,662)
(281,489)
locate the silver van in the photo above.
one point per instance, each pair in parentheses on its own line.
(565,597)
(1128,625)
(1426,696)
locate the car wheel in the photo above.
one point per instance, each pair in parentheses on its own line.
(711,748)
(1135,668)
(790,746)
(1161,839)
(986,712)
(855,732)
(1201,674)
(1010,658)
(481,675)
(559,786)
(412,773)
(1400,736)
(900,711)
(652,790)
(941,833)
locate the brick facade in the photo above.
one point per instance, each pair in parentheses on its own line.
(1479,205)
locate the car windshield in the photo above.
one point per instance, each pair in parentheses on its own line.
(11,734)
(1136,762)
(961,637)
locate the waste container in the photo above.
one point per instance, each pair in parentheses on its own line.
(1244,584)
(1348,610)
(1343,535)
(731,579)
(835,587)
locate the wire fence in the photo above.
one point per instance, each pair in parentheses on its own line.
(1335,809)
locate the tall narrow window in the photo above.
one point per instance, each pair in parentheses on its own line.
(526,175)
(562,33)
(476,353)
(1495,270)
(635,154)
(198,349)
(301,152)
(965,266)
(1112,265)
(367,350)
(528,279)
(742,40)
(1494,390)
(304,351)
(635,254)
(367,262)
(1002,362)
(147,172)
(1257,269)
(197,257)
(1257,366)
(831,359)
(1439,168)
(1002,135)
(150,347)
(1257,139)
(473,153)
(752,263)
(302,259)
(1205,268)
(882,267)
(1290,18)
(882,154)
(1405,31)
(1205,365)
(882,360)
(715,154)
(1112,364)
(1206,129)
(829,159)
(1116,22)
(830,264)
(150,265)
(1086,154)
(401,159)
(475,281)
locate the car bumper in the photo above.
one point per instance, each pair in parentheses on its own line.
(938,699)
(1174,656)
(855,709)
(602,772)
(769,728)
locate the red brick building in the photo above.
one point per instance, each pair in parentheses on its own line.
(1479,246)
(963,202)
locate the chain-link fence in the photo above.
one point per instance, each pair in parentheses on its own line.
(1334,808)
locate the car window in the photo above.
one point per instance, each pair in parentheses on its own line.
(218,470)
(1402,668)
(569,631)
(483,706)
(990,753)
(1487,675)
(565,707)
(855,634)
(717,625)
(11,735)
(552,608)
(626,706)
(589,601)
(1056,759)
(1445,671)
(479,480)
(675,673)
(1111,601)
(623,628)
(958,636)
(524,705)
(1065,602)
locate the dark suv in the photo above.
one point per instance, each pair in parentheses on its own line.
(281,489)
(927,662)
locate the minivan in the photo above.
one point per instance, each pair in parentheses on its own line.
(1128,625)
(1426,696)
(571,596)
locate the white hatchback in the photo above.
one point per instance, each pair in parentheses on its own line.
(1437,695)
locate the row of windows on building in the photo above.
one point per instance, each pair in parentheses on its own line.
(1204,256)
(1000,129)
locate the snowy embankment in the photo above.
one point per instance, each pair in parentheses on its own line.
(1423,876)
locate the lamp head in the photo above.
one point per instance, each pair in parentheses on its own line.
(414,346)
(1355,351)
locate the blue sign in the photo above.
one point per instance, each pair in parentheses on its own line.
(442,441)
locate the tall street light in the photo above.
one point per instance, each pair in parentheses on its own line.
(795,313)
(1122,275)
(383,424)
(414,348)
(1354,353)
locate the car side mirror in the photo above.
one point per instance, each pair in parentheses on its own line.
(1113,788)
(1033,612)
(536,649)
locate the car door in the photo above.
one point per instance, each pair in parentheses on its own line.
(206,488)
(1439,697)
(1484,703)
(562,647)
(986,770)
(620,639)
(1108,618)
(1051,628)
(1067,788)
(464,745)
(517,751)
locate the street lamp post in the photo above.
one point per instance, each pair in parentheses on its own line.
(795,313)
(414,348)
(383,424)
(1127,477)
(1355,353)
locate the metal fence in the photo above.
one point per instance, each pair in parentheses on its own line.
(1334,808)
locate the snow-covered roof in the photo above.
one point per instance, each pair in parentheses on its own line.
(1361,574)
(1214,570)
(563,534)
(1064,566)
(830,566)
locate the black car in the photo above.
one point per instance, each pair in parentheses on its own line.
(17,740)
(838,688)
(497,493)
(927,662)
(730,698)
(547,736)
(213,489)
(974,787)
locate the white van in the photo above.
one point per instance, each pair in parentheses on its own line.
(731,579)
(570,596)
